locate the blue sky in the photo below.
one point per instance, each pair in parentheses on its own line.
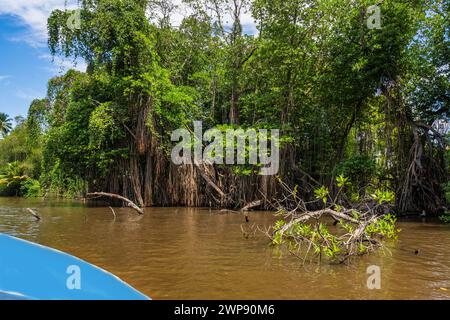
(25,61)
(24,70)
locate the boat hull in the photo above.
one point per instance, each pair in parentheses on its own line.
(32,271)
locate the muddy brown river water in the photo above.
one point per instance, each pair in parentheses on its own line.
(181,253)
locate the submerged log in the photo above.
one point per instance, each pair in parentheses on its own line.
(252,205)
(116,196)
(34,214)
(249,206)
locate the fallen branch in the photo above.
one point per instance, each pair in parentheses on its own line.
(252,205)
(209,181)
(116,196)
(300,218)
(205,176)
(113,212)
(249,206)
(34,214)
(358,228)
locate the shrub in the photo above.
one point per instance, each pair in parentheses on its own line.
(31,188)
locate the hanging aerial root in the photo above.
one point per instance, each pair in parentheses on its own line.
(423,176)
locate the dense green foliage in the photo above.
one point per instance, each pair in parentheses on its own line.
(349,99)
(21,158)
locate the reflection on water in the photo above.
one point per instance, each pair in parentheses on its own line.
(179,253)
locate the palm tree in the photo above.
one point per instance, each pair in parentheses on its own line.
(5,124)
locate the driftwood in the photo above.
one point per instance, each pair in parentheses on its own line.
(34,214)
(252,205)
(113,212)
(209,181)
(249,206)
(245,209)
(116,196)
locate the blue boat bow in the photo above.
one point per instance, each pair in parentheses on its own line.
(32,271)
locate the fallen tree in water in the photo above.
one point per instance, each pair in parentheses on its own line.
(115,196)
(342,228)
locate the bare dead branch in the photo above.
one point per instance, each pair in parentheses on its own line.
(113,212)
(34,214)
(252,205)
(116,196)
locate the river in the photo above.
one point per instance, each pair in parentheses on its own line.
(184,253)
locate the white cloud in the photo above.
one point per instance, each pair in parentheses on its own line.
(61,65)
(33,14)
(27,94)
(4,77)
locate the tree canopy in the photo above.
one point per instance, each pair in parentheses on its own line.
(349,98)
